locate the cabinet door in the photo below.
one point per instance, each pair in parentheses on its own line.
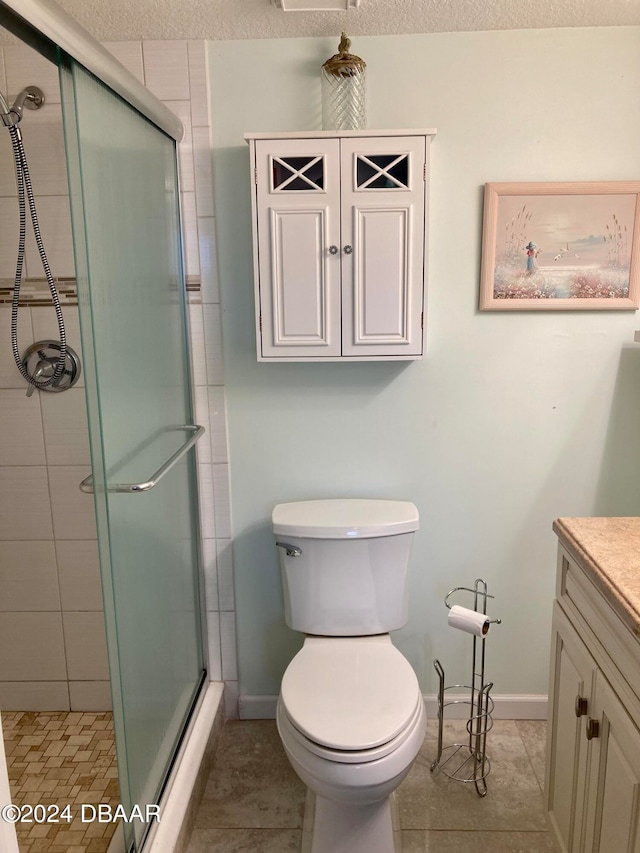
(383,245)
(572,675)
(298,221)
(612,809)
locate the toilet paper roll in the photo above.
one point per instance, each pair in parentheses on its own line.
(469,620)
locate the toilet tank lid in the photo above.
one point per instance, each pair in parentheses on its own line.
(344,518)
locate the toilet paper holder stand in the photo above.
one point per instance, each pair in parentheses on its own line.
(468,762)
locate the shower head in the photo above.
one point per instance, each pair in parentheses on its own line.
(31,97)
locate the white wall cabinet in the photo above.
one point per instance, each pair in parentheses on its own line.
(593,750)
(340,242)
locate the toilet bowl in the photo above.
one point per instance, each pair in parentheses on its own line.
(350,712)
(351,718)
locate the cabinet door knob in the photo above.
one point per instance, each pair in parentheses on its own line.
(593,729)
(333,250)
(348,250)
(581,706)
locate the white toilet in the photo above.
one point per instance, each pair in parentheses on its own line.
(350,712)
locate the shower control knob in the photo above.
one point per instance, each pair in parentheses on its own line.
(40,361)
(40,372)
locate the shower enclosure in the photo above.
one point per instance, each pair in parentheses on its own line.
(124,210)
(122,170)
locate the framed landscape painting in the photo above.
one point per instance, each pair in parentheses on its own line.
(567,246)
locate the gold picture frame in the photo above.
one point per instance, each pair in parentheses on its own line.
(561,246)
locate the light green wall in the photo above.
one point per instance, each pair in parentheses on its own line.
(512,419)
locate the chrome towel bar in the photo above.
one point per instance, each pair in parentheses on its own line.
(197,432)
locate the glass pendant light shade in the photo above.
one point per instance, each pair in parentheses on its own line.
(344,90)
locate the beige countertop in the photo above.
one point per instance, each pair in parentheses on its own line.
(608,549)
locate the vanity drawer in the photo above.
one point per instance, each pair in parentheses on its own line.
(609,639)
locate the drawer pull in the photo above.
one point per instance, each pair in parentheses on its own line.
(593,729)
(581,706)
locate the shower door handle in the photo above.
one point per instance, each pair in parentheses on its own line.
(197,432)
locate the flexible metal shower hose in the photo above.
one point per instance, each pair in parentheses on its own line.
(24,185)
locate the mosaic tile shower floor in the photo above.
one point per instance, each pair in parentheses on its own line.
(62,758)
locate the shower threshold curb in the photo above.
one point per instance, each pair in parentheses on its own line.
(186,783)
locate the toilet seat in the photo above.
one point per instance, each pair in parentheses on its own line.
(351,756)
(350,699)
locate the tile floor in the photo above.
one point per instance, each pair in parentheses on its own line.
(61,758)
(254,802)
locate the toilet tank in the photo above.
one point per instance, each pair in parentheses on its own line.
(344,564)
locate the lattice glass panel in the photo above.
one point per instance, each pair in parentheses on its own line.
(297,173)
(344,101)
(382,171)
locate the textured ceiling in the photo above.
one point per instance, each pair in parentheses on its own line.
(113,20)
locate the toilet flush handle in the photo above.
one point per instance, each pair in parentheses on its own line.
(292,550)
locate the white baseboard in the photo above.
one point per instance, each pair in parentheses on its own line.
(257,707)
(511,706)
(506,707)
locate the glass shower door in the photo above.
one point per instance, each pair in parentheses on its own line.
(124,202)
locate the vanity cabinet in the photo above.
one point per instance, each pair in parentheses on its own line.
(339,243)
(593,750)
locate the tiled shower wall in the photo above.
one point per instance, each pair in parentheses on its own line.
(52,645)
